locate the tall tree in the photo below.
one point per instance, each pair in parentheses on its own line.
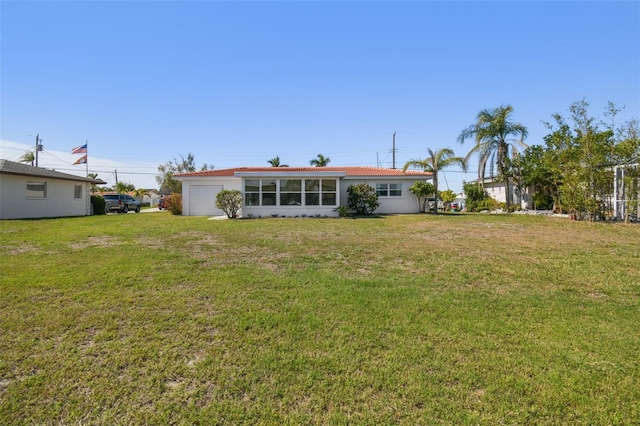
(575,167)
(320,161)
(168,170)
(494,133)
(537,165)
(434,163)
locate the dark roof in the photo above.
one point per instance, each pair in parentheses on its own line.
(13,168)
(351,171)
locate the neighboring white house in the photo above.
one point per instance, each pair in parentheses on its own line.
(497,191)
(34,192)
(297,191)
(151,197)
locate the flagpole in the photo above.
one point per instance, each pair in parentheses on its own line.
(86,142)
(86,164)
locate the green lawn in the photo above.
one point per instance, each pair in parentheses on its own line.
(452,319)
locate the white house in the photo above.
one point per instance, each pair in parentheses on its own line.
(34,192)
(151,197)
(497,191)
(297,191)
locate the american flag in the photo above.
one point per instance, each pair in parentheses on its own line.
(80,149)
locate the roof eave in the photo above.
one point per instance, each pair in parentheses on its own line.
(290,174)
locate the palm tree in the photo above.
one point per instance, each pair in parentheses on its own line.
(491,132)
(320,161)
(140,193)
(123,187)
(94,187)
(275,162)
(435,162)
(28,157)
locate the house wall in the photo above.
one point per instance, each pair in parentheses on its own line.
(293,211)
(59,201)
(230,183)
(497,191)
(289,211)
(406,203)
(152,198)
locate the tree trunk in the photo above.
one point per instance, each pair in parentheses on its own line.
(503,153)
(507,194)
(435,195)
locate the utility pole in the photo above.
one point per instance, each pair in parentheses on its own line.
(38,147)
(394,150)
(116,170)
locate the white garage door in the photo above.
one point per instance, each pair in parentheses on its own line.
(202,200)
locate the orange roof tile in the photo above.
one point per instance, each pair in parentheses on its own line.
(348,170)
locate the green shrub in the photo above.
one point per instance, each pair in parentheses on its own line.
(343,211)
(362,199)
(173,204)
(98,203)
(229,201)
(512,207)
(487,204)
(477,199)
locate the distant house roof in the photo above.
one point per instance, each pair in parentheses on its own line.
(350,171)
(13,168)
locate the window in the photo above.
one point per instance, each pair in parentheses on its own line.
(269,192)
(395,190)
(389,189)
(290,192)
(251,192)
(36,190)
(77,192)
(260,192)
(312,192)
(329,192)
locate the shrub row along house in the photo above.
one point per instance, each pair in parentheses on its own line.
(35,192)
(297,191)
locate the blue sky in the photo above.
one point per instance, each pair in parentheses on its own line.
(238,83)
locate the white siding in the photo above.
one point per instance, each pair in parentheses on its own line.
(497,191)
(406,203)
(289,211)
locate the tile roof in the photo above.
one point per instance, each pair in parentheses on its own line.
(351,171)
(13,168)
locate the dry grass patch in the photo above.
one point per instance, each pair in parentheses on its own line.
(103,241)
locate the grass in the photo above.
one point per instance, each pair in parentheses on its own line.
(454,319)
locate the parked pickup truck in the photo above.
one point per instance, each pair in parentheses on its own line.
(120,203)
